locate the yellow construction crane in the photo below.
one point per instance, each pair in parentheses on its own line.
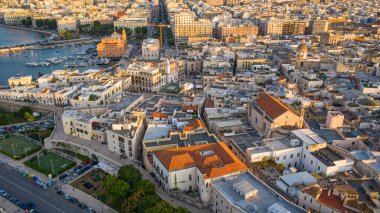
(160,25)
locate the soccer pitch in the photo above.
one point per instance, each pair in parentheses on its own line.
(50,163)
(17,147)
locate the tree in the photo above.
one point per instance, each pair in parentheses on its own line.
(29,117)
(147,202)
(67,35)
(129,174)
(61,33)
(116,187)
(281,166)
(161,207)
(133,201)
(21,112)
(146,186)
(181,209)
(27,22)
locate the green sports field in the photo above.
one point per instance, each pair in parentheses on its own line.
(50,163)
(17,147)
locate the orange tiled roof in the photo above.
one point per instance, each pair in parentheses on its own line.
(332,201)
(186,108)
(159,115)
(221,163)
(197,123)
(312,190)
(209,104)
(272,106)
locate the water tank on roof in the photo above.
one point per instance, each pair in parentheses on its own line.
(295,142)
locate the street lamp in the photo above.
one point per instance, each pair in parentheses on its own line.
(26,151)
(14,153)
(52,167)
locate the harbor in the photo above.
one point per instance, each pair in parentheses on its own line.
(40,59)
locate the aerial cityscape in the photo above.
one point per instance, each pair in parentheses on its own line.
(178,106)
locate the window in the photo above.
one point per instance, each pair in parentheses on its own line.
(298,154)
(190,178)
(319,168)
(304,156)
(284,158)
(311,162)
(291,156)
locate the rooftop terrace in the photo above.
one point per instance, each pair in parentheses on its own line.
(264,198)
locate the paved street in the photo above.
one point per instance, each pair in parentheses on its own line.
(25,190)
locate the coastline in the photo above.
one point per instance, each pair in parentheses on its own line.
(27,29)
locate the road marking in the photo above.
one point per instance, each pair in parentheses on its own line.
(30,193)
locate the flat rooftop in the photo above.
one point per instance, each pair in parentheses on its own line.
(329,135)
(125,100)
(191,139)
(327,156)
(244,140)
(264,198)
(361,154)
(158,131)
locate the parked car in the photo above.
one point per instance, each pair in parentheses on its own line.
(90,210)
(82,205)
(59,192)
(73,200)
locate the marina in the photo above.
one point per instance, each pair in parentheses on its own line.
(36,61)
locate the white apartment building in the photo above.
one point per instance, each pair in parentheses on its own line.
(67,24)
(305,151)
(97,94)
(145,77)
(193,168)
(132,21)
(20,81)
(125,135)
(83,125)
(186,25)
(151,49)
(271,27)
(306,81)
(15,16)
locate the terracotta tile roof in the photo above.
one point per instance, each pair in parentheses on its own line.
(159,115)
(209,104)
(193,108)
(347,189)
(272,106)
(219,161)
(332,201)
(312,190)
(197,123)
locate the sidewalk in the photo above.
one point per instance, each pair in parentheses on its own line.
(87,199)
(19,164)
(9,207)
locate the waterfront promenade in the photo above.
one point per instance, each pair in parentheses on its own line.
(27,29)
(52,44)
